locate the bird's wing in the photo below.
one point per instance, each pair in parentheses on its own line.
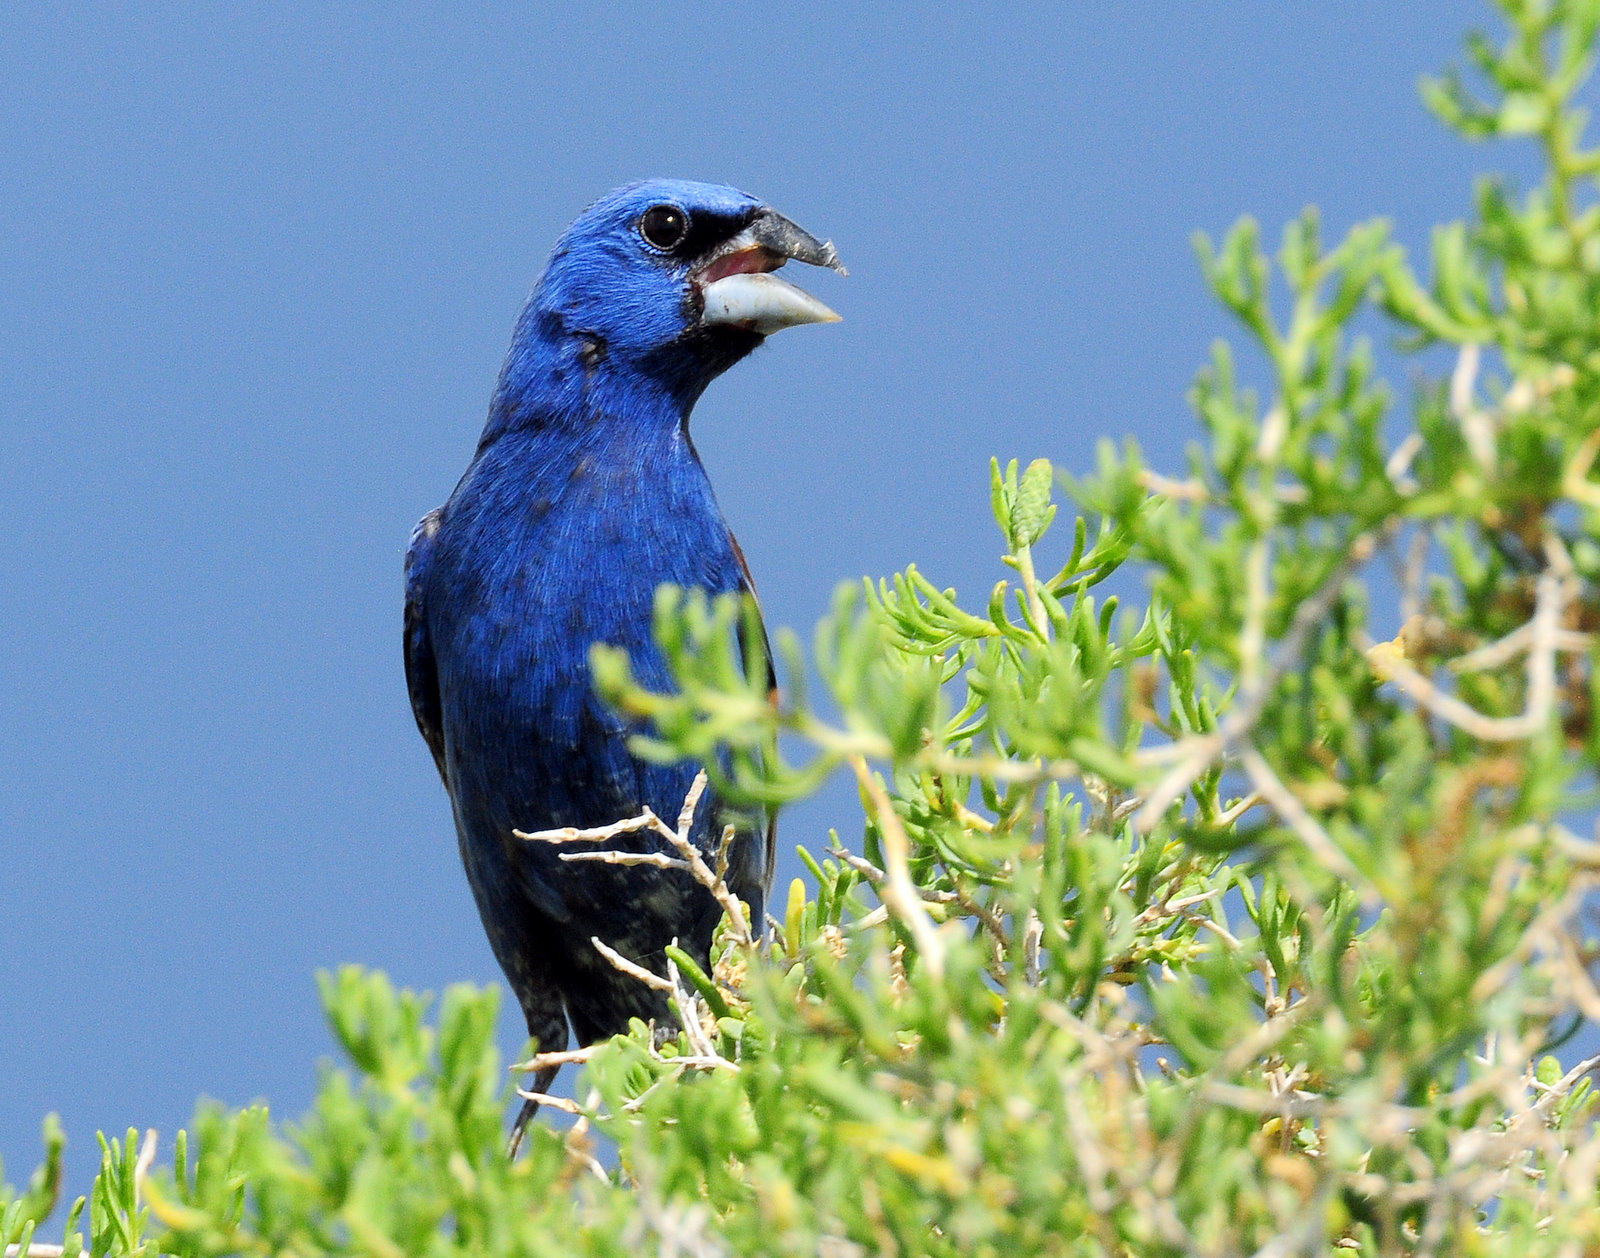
(422,677)
(769,863)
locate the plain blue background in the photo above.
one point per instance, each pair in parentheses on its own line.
(257,271)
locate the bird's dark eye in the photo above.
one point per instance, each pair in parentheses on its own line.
(664,226)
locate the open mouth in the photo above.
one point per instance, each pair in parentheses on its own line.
(753,260)
(737,288)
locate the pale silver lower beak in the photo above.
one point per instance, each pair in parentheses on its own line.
(761,302)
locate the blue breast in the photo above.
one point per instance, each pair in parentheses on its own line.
(556,539)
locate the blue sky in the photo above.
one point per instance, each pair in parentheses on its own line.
(258,267)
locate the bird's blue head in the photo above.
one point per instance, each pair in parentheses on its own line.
(655,290)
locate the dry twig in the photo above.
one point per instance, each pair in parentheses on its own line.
(898,891)
(646,820)
(551,1101)
(689,858)
(565,1057)
(1294,814)
(1195,753)
(631,968)
(1543,642)
(650,860)
(1477,425)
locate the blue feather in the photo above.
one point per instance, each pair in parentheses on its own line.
(584,496)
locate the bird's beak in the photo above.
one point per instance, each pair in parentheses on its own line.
(737,287)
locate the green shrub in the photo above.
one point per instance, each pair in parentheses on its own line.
(1244,921)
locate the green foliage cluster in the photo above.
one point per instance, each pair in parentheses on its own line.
(1243,922)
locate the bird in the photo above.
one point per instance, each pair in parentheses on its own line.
(585,494)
